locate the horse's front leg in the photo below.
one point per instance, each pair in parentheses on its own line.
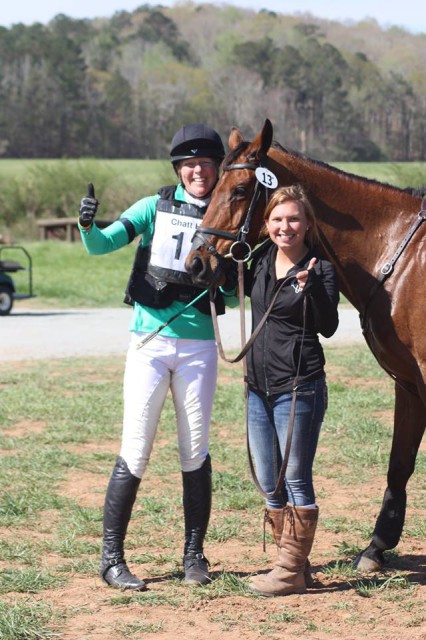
(409,426)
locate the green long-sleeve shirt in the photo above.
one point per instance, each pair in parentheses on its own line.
(192,323)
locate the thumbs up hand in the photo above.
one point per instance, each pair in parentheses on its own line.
(88,207)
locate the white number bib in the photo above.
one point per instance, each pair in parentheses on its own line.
(172,240)
(174,227)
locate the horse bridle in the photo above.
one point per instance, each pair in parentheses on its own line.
(200,237)
(240,239)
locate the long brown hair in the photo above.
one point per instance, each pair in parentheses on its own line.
(296,193)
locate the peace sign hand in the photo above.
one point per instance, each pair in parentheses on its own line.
(302,276)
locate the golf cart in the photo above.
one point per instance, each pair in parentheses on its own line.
(8,291)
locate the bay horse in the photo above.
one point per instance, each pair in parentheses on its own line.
(381,268)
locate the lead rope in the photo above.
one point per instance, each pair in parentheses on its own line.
(245,346)
(281,476)
(240,356)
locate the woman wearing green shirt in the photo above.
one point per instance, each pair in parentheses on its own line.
(182,357)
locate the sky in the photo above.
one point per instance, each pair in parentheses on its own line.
(409,14)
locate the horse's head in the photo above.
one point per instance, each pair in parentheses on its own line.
(232,222)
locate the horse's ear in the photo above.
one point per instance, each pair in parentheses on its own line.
(235,138)
(267,133)
(263,140)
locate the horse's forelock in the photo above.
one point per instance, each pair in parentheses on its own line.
(235,153)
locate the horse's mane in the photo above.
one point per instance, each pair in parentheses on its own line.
(352,176)
(234,154)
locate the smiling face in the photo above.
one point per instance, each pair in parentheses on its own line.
(198,175)
(287,225)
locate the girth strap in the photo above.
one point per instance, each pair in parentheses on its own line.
(388,267)
(386,271)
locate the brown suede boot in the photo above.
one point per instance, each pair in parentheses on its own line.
(275,517)
(287,576)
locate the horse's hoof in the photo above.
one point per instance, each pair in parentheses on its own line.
(368,562)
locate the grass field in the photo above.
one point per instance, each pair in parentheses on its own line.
(151,172)
(60,428)
(64,275)
(135,172)
(33,189)
(60,425)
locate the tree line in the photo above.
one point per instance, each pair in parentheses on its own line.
(120,87)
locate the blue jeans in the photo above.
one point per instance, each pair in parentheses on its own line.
(267,429)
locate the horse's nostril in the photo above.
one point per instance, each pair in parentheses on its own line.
(196,266)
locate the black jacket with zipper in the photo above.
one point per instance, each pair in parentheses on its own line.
(273,359)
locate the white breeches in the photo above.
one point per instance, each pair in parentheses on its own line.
(189,369)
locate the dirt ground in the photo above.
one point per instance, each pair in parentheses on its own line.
(341,604)
(332,609)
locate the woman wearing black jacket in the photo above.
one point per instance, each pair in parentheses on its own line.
(288,347)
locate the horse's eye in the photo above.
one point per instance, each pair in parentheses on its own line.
(239,193)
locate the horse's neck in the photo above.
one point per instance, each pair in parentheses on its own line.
(350,217)
(334,191)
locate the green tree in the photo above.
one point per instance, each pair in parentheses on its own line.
(258,56)
(159,28)
(120,87)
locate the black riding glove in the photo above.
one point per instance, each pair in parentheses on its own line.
(88,207)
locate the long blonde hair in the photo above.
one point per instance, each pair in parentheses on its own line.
(295,193)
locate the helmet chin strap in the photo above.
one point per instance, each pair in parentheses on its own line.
(205,199)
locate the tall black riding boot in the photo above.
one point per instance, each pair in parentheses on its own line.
(119,501)
(197,501)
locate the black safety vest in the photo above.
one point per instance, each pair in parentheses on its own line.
(154,285)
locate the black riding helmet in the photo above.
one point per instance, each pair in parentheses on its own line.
(196,141)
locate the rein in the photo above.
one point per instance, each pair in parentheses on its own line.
(240,239)
(281,476)
(245,348)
